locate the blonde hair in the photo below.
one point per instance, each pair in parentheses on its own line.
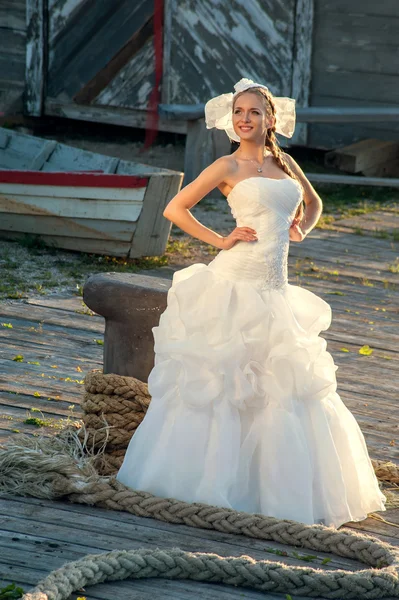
(271,141)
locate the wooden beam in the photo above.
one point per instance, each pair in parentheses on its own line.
(152,232)
(363,155)
(348,114)
(35,58)
(352,179)
(94,87)
(169,11)
(302,63)
(188,112)
(111,115)
(306,114)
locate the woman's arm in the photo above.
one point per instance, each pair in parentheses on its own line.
(178,209)
(313,202)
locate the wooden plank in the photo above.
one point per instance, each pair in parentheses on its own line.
(357,157)
(308,114)
(335,25)
(103,527)
(39,160)
(343,271)
(62,301)
(388,8)
(380,221)
(12,64)
(113,165)
(48,405)
(111,115)
(132,86)
(168,11)
(62,11)
(348,114)
(58,318)
(35,57)
(120,205)
(354,65)
(37,342)
(390,168)
(69,227)
(36,372)
(11,98)
(347,54)
(4,138)
(67,163)
(21,150)
(67,158)
(314,250)
(152,232)
(104,77)
(41,365)
(13,14)
(29,317)
(126,167)
(302,62)
(328,251)
(12,56)
(352,179)
(91,246)
(348,241)
(331,136)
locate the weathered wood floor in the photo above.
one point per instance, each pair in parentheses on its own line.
(355,274)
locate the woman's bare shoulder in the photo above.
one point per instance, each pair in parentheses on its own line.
(227,164)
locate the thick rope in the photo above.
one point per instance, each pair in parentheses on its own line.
(243,571)
(58,468)
(114,407)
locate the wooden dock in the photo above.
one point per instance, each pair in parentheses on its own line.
(58,342)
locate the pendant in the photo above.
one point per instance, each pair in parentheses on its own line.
(259,170)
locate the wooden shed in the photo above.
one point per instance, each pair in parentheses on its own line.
(109,61)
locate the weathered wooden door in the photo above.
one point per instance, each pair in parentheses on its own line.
(91,59)
(100,52)
(210,45)
(100,55)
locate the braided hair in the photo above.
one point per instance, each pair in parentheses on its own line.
(271,141)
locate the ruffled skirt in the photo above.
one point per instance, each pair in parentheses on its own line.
(244,411)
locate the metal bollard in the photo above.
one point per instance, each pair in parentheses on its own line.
(131,305)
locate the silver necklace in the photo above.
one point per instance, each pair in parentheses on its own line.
(259,168)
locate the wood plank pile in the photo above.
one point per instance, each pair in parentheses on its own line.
(371,157)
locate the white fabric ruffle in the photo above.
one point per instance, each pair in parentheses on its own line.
(245,412)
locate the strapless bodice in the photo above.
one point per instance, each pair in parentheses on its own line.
(268,206)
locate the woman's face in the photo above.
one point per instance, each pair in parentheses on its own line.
(250,120)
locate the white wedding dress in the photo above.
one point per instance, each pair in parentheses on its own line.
(244,411)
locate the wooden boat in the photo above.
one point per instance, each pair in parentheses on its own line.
(79,200)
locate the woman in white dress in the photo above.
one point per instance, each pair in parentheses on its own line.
(245,411)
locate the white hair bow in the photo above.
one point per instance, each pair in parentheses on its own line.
(218,111)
